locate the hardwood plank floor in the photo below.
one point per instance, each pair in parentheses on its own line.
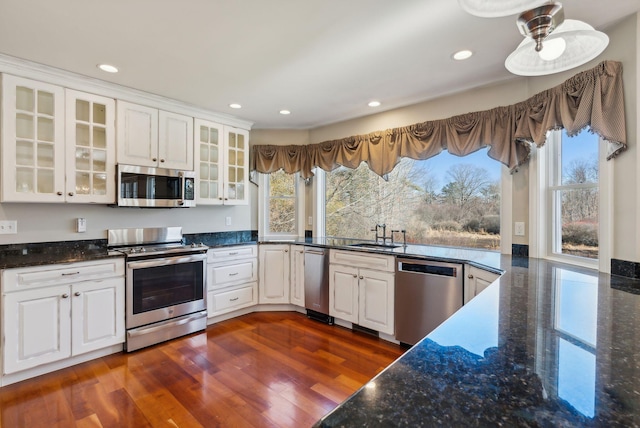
(266,369)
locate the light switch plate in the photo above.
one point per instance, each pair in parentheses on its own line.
(81,225)
(227,221)
(519,228)
(8,227)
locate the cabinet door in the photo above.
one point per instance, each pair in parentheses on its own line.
(209,162)
(297,275)
(343,292)
(90,148)
(476,281)
(175,141)
(376,304)
(236,182)
(32,141)
(274,274)
(36,326)
(98,315)
(137,134)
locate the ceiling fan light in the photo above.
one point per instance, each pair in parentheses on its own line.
(497,8)
(583,43)
(552,49)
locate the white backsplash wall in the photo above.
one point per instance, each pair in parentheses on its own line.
(57,222)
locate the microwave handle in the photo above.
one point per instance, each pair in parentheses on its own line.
(183,183)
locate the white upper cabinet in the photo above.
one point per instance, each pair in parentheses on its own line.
(222,164)
(90,148)
(33,144)
(57,145)
(154,138)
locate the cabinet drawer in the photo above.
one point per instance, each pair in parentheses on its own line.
(42,276)
(225,301)
(221,275)
(365,260)
(215,255)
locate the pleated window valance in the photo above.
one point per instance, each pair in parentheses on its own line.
(592,98)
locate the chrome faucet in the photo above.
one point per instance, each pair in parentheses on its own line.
(384,232)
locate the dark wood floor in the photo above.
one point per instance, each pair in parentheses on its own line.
(269,369)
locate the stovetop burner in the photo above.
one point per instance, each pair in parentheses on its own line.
(151,242)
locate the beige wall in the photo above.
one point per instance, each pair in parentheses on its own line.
(623,47)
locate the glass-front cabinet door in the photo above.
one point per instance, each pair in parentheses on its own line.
(91,154)
(237,160)
(32,141)
(209,162)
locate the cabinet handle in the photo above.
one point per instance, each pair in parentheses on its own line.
(233,274)
(233,254)
(77,294)
(70,273)
(59,193)
(234,299)
(470,276)
(65,296)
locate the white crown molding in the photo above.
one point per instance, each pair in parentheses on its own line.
(23,68)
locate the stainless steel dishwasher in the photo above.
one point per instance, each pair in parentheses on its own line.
(316,283)
(427,293)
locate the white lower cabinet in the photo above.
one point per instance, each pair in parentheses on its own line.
(232,279)
(361,294)
(54,312)
(476,280)
(274,285)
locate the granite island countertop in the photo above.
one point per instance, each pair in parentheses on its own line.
(548,344)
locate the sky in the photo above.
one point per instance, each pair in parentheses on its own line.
(582,146)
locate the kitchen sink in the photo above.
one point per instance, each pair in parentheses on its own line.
(374,246)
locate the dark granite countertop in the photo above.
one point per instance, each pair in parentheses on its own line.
(47,253)
(546,345)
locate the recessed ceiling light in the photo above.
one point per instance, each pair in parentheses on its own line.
(285,112)
(235,105)
(108,68)
(374,104)
(462,55)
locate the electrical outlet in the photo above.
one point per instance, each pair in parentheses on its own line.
(227,221)
(310,221)
(519,228)
(8,227)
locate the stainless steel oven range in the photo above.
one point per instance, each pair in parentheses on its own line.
(165,290)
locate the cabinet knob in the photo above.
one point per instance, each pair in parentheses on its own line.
(470,276)
(361,277)
(77,294)
(59,193)
(155,159)
(286,251)
(220,198)
(355,276)
(70,193)
(65,296)
(161,160)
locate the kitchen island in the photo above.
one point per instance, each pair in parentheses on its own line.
(548,344)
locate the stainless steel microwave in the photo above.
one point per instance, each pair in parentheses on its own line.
(140,186)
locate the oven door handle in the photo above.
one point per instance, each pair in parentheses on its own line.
(163,261)
(164,325)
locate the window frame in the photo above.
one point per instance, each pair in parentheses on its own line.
(541,214)
(263,211)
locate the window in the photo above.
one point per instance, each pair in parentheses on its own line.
(445,200)
(280,205)
(573,190)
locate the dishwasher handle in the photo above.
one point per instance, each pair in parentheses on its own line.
(441,269)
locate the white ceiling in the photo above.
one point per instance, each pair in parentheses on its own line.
(322,59)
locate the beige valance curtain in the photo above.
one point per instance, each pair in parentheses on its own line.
(593,98)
